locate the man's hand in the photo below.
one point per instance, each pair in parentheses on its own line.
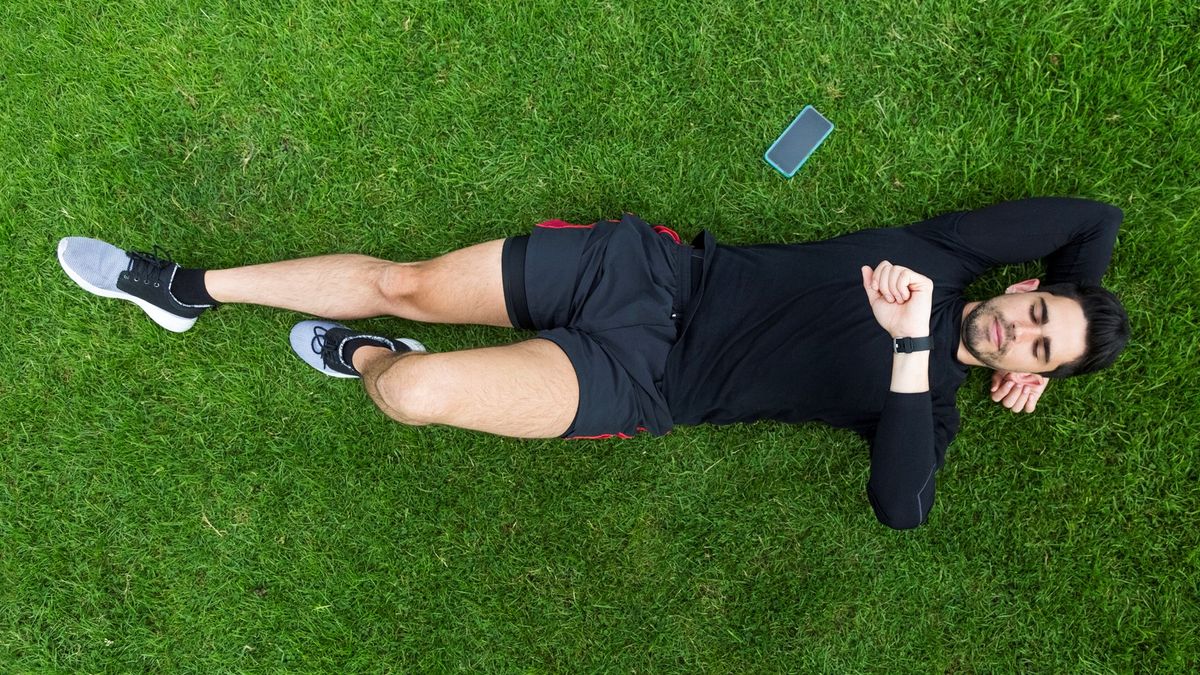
(1019,392)
(900,298)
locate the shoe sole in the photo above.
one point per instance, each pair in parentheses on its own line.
(301,330)
(173,323)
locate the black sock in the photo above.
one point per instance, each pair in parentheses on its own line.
(354,344)
(188,288)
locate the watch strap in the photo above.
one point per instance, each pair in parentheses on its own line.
(908,345)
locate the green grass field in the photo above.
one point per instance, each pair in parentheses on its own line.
(206,503)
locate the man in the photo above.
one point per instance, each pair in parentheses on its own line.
(637,332)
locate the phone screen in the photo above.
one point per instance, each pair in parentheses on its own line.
(798,141)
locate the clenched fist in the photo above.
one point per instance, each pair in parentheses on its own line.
(900,298)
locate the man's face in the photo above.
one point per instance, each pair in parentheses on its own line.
(1031,332)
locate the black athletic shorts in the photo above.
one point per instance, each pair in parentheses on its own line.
(611,295)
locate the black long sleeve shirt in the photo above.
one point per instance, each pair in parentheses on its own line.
(785,332)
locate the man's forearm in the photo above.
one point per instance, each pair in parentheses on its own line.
(910,372)
(903,453)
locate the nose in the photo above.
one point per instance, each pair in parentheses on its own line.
(1025,332)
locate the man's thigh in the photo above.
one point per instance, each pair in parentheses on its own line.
(527,390)
(463,286)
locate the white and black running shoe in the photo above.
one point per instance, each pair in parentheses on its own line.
(141,278)
(321,344)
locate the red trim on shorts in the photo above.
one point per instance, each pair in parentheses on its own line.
(562,225)
(557,224)
(603,437)
(660,229)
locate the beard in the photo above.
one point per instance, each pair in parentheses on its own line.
(977,334)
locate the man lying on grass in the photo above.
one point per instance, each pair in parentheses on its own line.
(637,332)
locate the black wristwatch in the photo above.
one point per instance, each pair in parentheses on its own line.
(908,345)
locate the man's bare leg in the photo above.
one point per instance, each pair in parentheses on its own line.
(527,390)
(463,286)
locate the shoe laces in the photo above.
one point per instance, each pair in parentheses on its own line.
(325,346)
(330,348)
(148,267)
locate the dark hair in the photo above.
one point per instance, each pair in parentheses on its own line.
(1107,328)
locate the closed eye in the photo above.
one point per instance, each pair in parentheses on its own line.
(1045,341)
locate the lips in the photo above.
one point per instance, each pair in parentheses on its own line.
(996,332)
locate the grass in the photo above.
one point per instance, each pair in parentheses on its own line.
(201,502)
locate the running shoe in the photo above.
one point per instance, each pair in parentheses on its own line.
(321,344)
(141,278)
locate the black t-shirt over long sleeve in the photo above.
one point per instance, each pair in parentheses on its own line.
(785,332)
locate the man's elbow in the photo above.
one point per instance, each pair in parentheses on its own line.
(1113,215)
(906,521)
(900,514)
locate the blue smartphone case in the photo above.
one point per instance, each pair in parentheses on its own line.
(767,157)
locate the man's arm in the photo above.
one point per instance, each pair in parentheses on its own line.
(904,451)
(904,461)
(1074,237)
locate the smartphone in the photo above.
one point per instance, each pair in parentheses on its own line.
(789,152)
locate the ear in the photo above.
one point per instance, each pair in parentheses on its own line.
(1023,286)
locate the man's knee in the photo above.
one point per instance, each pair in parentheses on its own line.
(408,391)
(399,282)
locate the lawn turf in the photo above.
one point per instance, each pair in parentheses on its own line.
(204,502)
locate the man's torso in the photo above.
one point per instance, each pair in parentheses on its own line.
(785,332)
